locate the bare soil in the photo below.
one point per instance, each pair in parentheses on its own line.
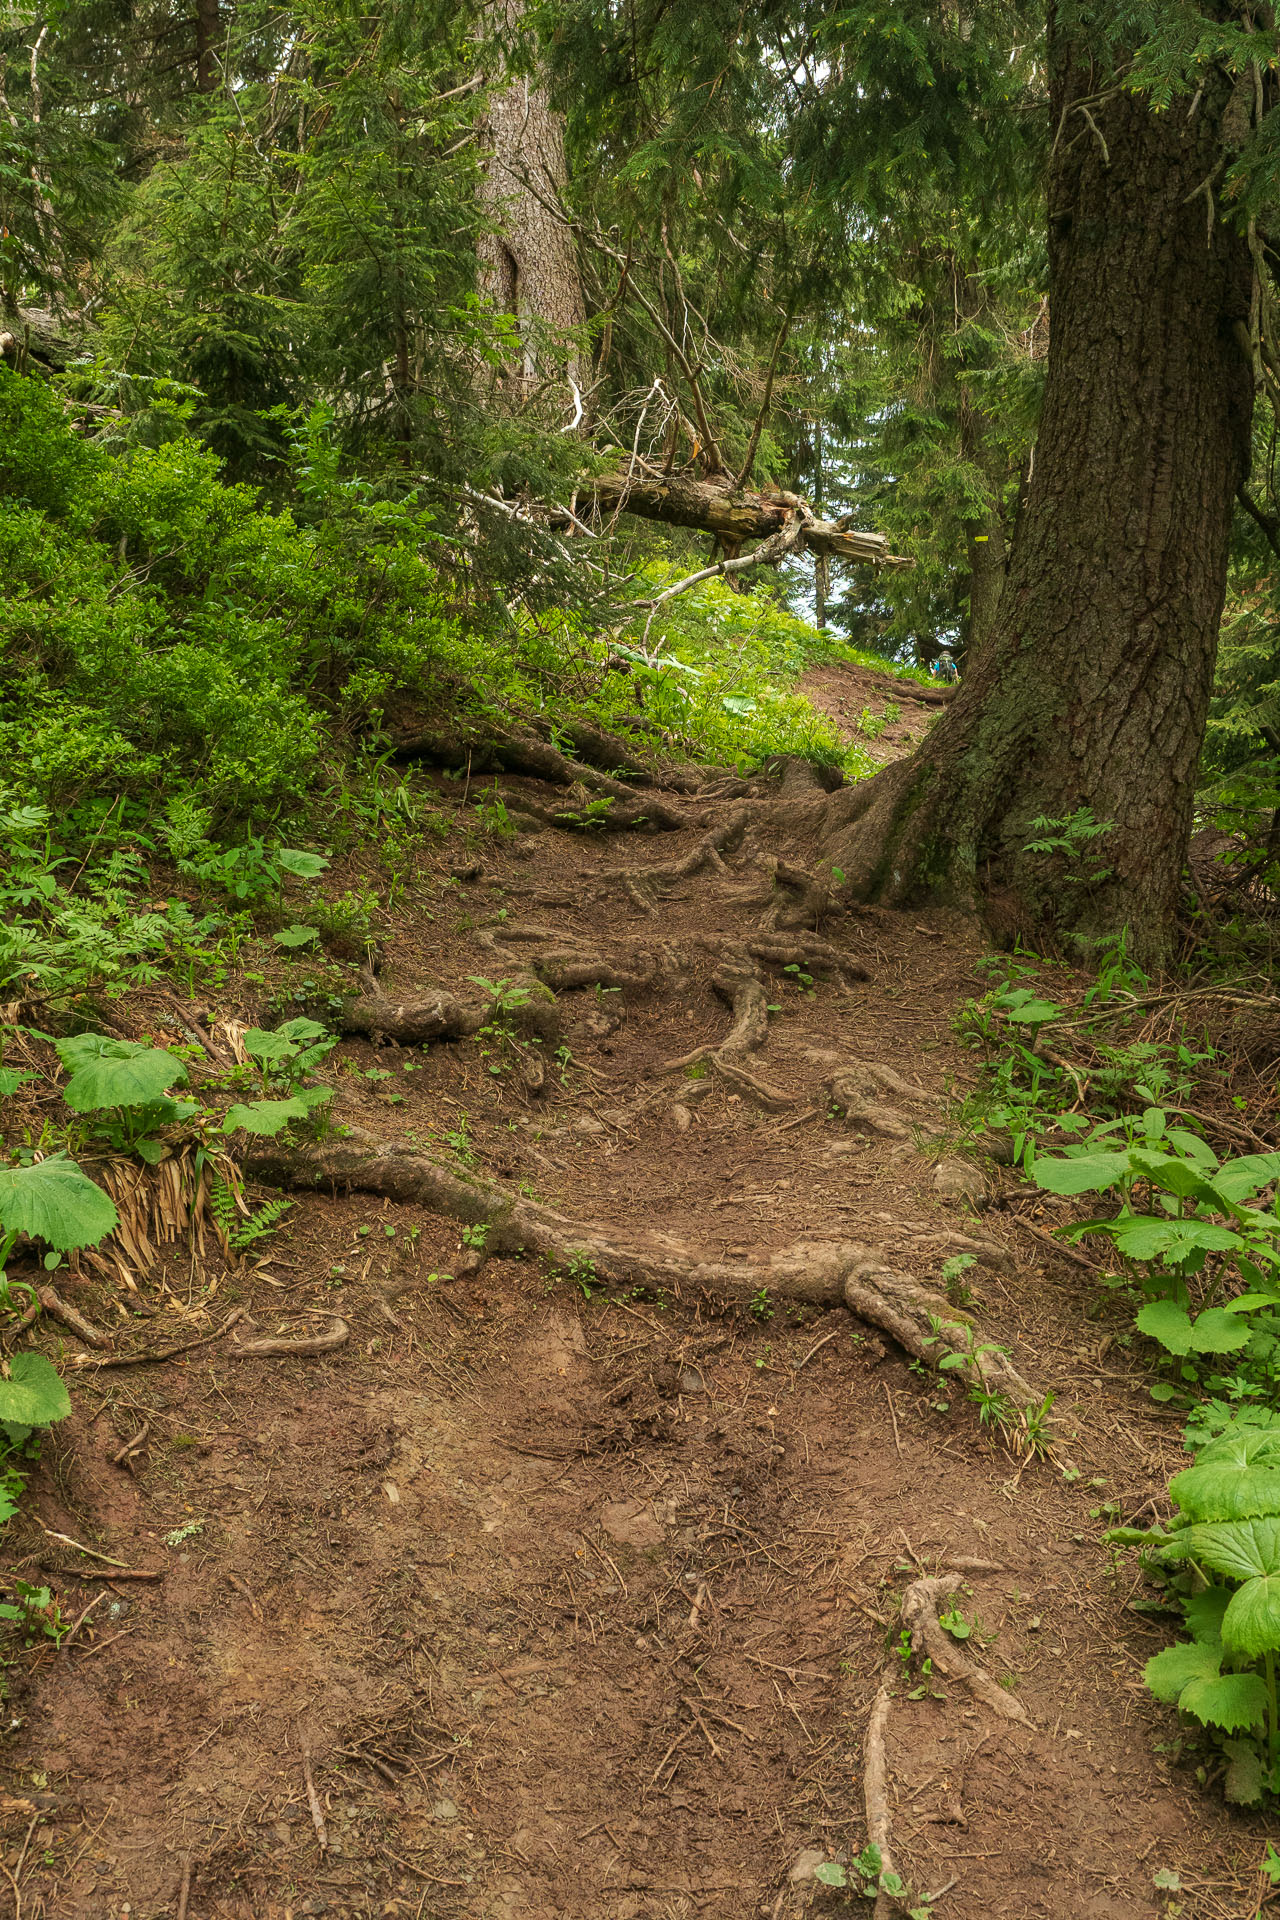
(544,1598)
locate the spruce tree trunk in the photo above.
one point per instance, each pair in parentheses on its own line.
(528,265)
(1093,688)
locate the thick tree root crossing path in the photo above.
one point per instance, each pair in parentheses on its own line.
(563,1512)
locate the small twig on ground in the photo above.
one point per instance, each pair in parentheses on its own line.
(80,1619)
(893,1415)
(184,1890)
(818,1349)
(163,1353)
(131,1446)
(313,1798)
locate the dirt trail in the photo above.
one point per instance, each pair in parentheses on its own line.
(547,1598)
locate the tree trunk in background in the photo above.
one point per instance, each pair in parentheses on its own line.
(528,264)
(1093,688)
(206,41)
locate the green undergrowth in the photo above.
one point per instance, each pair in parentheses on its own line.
(161,629)
(1107,1098)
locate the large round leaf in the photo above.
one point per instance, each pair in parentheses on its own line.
(1229,1700)
(1251,1623)
(1242,1549)
(1167,1673)
(33,1395)
(55,1202)
(120,1074)
(1221,1490)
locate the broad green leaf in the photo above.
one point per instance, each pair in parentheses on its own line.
(831,1874)
(11,1078)
(120,1074)
(1217,1331)
(1033,1013)
(1241,1179)
(296,936)
(54,1201)
(1251,1623)
(1204,1611)
(1163,1321)
(1167,1673)
(1193,1147)
(737,703)
(1143,1237)
(1217,1490)
(1231,1701)
(307,866)
(300,1029)
(266,1117)
(1242,1549)
(267,1046)
(1089,1173)
(34,1393)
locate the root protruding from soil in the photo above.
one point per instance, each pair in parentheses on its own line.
(818,1273)
(920,1616)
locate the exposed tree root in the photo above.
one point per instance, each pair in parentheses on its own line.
(920,1616)
(337,1336)
(742,987)
(642,882)
(855,1090)
(442,1016)
(875,1786)
(516,753)
(820,1273)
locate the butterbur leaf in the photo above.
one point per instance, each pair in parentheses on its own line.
(1241,1179)
(1163,1321)
(265,1117)
(1203,1612)
(1033,1013)
(33,1393)
(1217,1331)
(1166,1880)
(1169,1672)
(831,1874)
(266,1046)
(306,866)
(296,936)
(1143,1237)
(54,1201)
(1221,1490)
(1232,1701)
(300,1029)
(1087,1173)
(1241,1549)
(118,1074)
(1251,1623)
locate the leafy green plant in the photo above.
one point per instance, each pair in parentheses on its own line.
(1072,838)
(128,1082)
(35,1613)
(868,1876)
(1223,1546)
(287,1056)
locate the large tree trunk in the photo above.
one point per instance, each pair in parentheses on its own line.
(527,260)
(1092,691)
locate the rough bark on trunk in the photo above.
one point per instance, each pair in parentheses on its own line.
(206,42)
(527,261)
(1093,690)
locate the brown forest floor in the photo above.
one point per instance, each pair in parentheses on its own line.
(576,1605)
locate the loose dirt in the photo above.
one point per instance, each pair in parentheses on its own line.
(543,1597)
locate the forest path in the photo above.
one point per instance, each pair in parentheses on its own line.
(572,1602)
